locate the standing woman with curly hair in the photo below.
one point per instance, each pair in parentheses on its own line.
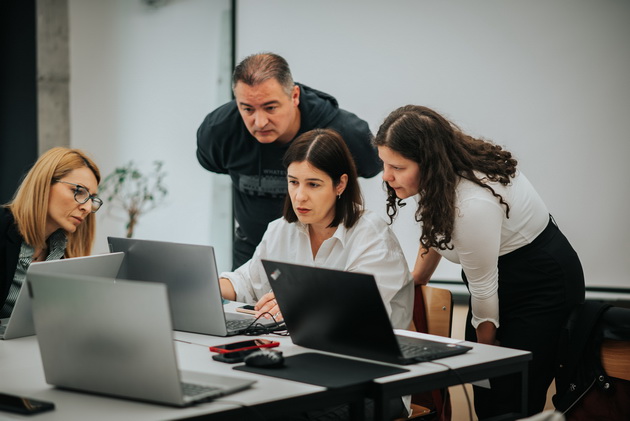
(50,217)
(477,209)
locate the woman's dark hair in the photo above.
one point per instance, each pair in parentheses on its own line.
(444,154)
(325,150)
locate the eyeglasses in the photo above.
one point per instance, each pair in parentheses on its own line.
(82,195)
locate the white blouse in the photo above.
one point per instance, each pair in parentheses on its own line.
(482,233)
(369,246)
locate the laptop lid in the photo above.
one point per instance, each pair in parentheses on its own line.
(100,265)
(333,311)
(20,323)
(343,312)
(112,338)
(190,273)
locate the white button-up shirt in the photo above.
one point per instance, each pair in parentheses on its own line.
(482,232)
(369,246)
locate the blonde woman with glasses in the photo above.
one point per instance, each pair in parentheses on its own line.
(50,217)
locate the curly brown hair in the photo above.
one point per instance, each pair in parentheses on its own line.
(444,154)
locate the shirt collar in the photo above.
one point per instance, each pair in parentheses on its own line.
(341,233)
(57,243)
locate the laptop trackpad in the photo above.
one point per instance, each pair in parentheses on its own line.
(227,383)
(238,316)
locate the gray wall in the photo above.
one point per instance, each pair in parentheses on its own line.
(549,80)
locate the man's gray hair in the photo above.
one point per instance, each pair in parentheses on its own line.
(258,68)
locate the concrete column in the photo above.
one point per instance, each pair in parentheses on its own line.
(53,74)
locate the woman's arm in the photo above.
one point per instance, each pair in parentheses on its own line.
(487,333)
(477,240)
(227,289)
(248,283)
(425,265)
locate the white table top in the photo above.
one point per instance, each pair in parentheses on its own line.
(21,373)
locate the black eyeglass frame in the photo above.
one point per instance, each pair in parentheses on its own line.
(95,199)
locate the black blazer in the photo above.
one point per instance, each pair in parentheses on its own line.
(10,244)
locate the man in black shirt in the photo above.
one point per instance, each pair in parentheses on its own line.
(247,137)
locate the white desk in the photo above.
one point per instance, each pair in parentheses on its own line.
(481,362)
(21,373)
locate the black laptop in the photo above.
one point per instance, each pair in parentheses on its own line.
(343,312)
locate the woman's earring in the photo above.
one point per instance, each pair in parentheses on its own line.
(339,196)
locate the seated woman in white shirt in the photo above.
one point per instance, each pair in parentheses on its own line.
(325,225)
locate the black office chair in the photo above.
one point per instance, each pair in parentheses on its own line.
(593,372)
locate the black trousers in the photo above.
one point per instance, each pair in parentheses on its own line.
(242,250)
(539,285)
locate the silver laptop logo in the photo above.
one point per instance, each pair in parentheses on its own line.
(276,274)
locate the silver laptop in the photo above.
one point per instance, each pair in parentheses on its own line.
(21,321)
(117,340)
(100,265)
(190,274)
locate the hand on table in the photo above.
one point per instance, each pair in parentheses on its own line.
(267,306)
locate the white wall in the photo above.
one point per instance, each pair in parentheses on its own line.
(547,79)
(142,80)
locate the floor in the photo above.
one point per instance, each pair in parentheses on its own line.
(458,397)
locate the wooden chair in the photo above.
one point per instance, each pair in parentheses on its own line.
(438,304)
(433,314)
(616,358)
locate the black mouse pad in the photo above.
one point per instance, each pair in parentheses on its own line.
(325,370)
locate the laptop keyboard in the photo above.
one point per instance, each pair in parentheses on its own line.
(192,390)
(237,325)
(413,348)
(414,351)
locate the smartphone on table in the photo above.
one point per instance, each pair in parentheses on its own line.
(233,357)
(248,309)
(244,345)
(23,405)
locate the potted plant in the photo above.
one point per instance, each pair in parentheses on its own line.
(134,192)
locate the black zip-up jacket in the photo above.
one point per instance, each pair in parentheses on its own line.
(225,146)
(10,244)
(579,366)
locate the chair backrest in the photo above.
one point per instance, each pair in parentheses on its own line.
(438,303)
(616,358)
(432,311)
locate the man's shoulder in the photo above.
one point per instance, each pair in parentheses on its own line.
(225,114)
(350,123)
(222,120)
(354,131)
